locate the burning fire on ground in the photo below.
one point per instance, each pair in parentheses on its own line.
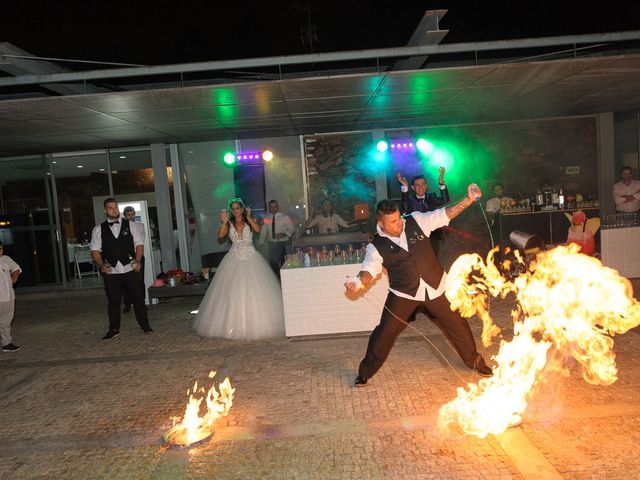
(194,427)
(568,306)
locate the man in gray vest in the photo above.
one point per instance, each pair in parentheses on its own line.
(117,248)
(416,278)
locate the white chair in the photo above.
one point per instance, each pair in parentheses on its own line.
(82,254)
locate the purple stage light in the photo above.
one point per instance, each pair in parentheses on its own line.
(403,145)
(254,157)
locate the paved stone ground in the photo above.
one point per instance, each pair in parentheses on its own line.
(75,407)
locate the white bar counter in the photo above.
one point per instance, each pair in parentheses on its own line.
(621,250)
(316,301)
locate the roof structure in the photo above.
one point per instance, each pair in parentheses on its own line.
(45,108)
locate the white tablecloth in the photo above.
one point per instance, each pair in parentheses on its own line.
(315,301)
(621,250)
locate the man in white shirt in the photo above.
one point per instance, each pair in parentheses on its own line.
(499,201)
(416,278)
(9,273)
(117,248)
(328,223)
(278,230)
(626,193)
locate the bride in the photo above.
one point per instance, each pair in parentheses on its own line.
(244,300)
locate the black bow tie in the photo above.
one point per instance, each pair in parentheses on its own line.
(112,223)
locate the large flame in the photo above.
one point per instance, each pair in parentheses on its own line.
(568,306)
(194,427)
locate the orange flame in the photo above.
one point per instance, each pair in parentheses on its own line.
(568,306)
(194,427)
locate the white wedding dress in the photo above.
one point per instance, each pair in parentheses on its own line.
(244,300)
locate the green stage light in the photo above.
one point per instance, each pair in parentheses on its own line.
(441,156)
(229,159)
(382,146)
(424,146)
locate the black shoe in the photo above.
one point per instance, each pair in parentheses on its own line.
(10,347)
(481,368)
(361,381)
(111,334)
(126,309)
(147,330)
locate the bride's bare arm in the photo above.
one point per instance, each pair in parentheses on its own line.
(223,230)
(255,226)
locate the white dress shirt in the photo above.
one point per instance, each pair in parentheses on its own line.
(137,232)
(7,267)
(495,204)
(404,189)
(327,224)
(283,225)
(428,222)
(620,190)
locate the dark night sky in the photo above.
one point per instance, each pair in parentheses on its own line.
(176,32)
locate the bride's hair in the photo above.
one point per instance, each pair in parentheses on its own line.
(244,210)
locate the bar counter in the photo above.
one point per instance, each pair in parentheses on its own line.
(316,301)
(344,238)
(620,250)
(551,225)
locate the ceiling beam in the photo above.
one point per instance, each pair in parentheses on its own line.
(15,61)
(322,57)
(426,33)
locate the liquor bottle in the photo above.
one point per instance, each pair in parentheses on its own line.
(547,193)
(561,200)
(539,198)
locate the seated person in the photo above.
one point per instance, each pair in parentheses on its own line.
(327,221)
(498,202)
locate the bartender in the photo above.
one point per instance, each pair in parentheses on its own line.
(328,223)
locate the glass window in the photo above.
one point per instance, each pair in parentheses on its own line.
(80,178)
(26,220)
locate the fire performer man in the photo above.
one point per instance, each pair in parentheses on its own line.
(416,278)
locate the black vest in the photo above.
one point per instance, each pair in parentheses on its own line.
(117,249)
(407,268)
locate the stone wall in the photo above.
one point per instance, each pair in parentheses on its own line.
(338,169)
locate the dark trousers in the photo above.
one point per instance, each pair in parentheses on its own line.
(126,298)
(117,283)
(384,335)
(277,252)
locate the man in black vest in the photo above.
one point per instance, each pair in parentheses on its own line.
(416,278)
(117,248)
